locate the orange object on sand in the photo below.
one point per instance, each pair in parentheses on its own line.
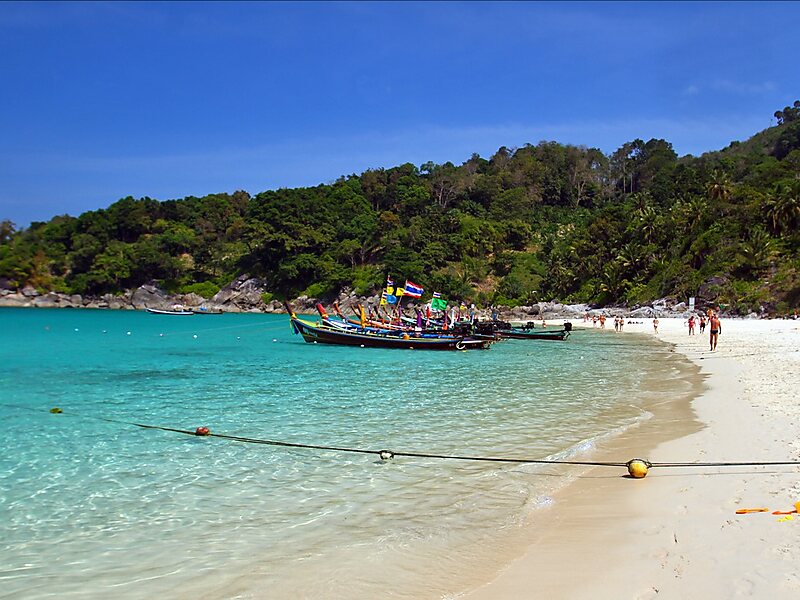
(744,511)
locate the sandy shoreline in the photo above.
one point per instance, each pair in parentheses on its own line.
(676,534)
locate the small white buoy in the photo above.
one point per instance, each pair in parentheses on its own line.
(195,336)
(238,338)
(160,335)
(104,331)
(128,333)
(274,339)
(362,345)
(76,329)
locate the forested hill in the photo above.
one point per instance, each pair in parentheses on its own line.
(549,221)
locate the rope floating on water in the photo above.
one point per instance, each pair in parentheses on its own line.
(637,467)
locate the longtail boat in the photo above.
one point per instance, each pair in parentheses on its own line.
(176,311)
(527,332)
(347,335)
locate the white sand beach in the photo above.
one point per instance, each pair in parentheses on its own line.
(675,533)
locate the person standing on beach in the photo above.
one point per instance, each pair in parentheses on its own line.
(691,325)
(655,325)
(716,328)
(702,323)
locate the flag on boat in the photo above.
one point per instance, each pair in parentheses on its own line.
(389,281)
(438,303)
(413,290)
(362,315)
(387,298)
(399,292)
(389,289)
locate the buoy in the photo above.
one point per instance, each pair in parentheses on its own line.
(194,336)
(637,468)
(128,333)
(202,431)
(274,339)
(76,329)
(386,454)
(56,411)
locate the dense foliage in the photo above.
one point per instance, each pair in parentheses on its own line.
(538,222)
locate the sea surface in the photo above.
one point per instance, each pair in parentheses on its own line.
(93,507)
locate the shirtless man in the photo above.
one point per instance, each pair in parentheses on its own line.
(715,328)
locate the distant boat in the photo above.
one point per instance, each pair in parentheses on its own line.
(527,332)
(175,311)
(204,311)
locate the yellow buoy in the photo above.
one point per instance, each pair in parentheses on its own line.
(56,411)
(637,468)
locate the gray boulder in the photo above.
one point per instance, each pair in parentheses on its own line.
(49,300)
(193,300)
(146,296)
(644,312)
(244,292)
(14,300)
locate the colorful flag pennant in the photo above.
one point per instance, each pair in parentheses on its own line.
(413,290)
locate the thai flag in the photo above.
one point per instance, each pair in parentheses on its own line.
(437,295)
(389,282)
(413,290)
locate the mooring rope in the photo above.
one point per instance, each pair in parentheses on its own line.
(387,454)
(267,327)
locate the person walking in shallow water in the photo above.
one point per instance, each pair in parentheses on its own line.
(715,328)
(655,325)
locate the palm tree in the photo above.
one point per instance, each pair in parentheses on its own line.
(758,249)
(719,188)
(783,207)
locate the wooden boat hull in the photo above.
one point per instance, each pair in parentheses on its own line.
(368,339)
(560,334)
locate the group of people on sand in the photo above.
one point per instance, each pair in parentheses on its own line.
(710,319)
(713,322)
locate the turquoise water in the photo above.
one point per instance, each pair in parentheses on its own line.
(90,508)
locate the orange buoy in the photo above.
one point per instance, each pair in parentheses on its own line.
(202,431)
(637,468)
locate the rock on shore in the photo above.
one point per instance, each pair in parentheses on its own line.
(246,294)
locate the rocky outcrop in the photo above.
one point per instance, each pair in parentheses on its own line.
(147,296)
(242,294)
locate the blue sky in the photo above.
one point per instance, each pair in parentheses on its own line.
(103,100)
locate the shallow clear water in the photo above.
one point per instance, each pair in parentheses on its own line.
(90,508)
